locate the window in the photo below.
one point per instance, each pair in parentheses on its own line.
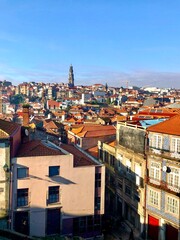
(78,142)
(153,197)
(97,180)
(175,145)
(136,197)
(137,174)
(155,170)
(97,203)
(119,162)
(120,185)
(128,166)
(172,205)
(157,141)
(54,171)
(22,197)
(101,154)
(22,172)
(174,177)
(53,194)
(106,156)
(128,190)
(112,160)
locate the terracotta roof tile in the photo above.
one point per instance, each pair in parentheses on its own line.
(80,159)
(170,126)
(113,143)
(93,151)
(36,148)
(8,127)
(94,130)
(99,133)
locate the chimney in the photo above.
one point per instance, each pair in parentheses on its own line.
(26,115)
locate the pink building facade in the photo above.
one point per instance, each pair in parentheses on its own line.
(56,193)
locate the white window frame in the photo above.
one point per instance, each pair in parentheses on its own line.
(128,165)
(175,145)
(119,161)
(173,178)
(172,205)
(155,170)
(138,174)
(154,198)
(157,141)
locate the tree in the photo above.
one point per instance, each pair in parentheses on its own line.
(17,99)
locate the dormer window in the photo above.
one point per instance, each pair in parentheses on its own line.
(78,141)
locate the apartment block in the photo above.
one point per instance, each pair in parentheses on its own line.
(56,191)
(163,180)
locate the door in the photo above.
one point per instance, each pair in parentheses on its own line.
(21,222)
(53,221)
(171,232)
(153,228)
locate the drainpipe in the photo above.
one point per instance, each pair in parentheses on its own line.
(10,220)
(145,186)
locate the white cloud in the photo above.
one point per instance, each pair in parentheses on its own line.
(91,75)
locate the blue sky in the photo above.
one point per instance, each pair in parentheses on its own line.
(111,41)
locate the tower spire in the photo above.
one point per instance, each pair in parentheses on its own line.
(71,77)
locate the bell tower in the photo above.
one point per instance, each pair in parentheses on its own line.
(71,77)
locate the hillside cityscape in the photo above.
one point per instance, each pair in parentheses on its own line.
(89,161)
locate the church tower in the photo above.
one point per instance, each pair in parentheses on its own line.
(71,77)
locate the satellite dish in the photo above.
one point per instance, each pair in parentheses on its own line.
(26,132)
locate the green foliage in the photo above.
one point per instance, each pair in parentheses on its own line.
(17,99)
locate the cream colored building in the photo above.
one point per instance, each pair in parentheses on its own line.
(125,172)
(10,138)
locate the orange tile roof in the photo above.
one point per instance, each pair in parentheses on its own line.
(94,130)
(71,120)
(170,126)
(36,148)
(112,144)
(99,133)
(93,151)
(80,159)
(8,127)
(94,127)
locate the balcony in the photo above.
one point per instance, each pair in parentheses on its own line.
(163,153)
(163,185)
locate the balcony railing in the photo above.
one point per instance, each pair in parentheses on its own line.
(163,152)
(163,185)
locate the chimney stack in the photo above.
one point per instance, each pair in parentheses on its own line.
(25,115)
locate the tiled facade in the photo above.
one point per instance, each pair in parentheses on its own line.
(163,157)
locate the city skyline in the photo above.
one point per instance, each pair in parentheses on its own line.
(106,42)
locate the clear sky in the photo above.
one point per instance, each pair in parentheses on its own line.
(106,41)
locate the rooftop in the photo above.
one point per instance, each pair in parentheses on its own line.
(170,126)
(37,148)
(80,158)
(8,128)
